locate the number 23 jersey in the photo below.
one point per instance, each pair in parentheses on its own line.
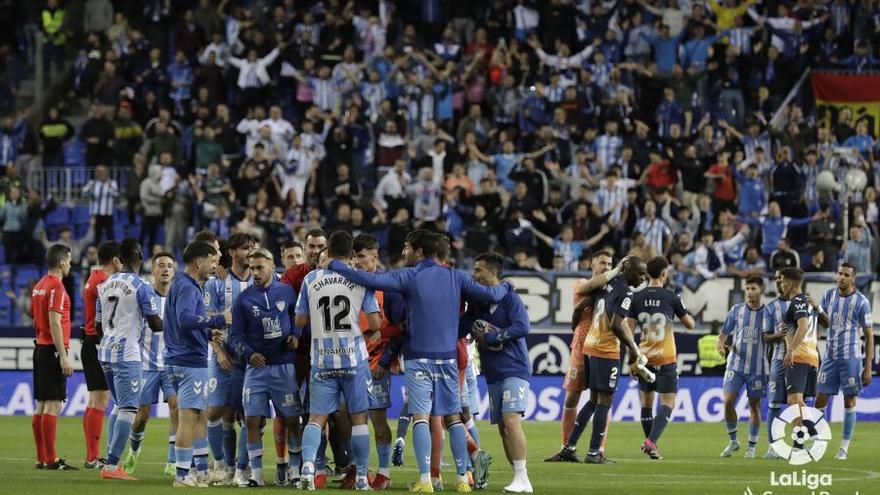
(654,309)
(333,304)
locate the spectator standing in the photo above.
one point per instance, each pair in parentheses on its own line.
(54,132)
(97,132)
(102,192)
(857,249)
(13,217)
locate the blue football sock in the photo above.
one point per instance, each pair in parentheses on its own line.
(731,430)
(403,425)
(255,454)
(772,412)
(172,442)
(383,452)
(200,454)
(136,438)
(321,456)
(294,450)
(229,443)
(600,422)
(184,457)
(121,432)
(472,429)
(243,460)
(754,433)
(215,439)
(580,424)
(422,445)
(360,448)
(647,420)
(111,427)
(311,441)
(458,443)
(659,423)
(849,423)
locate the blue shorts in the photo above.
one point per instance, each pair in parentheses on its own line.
(124,381)
(836,374)
(224,388)
(510,395)
(432,387)
(191,385)
(328,387)
(276,382)
(734,381)
(602,373)
(380,395)
(665,379)
(776,383)
(151,383)
(800,379)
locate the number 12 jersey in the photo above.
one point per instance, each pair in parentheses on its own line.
(333,304)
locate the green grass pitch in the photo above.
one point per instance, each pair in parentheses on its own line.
(691,464)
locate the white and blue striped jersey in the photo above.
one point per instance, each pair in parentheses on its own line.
(847,317)
(102,196)
(655,231)
(773,320)
(220,295)
(744,325)
(333,304)
(153,344)
(124,300)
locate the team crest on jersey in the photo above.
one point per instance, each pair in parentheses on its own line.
(207,299)
(280,305)
(256,310)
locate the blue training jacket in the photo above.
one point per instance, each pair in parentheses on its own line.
(262,320)
(433,294)
(186,325)
(503,353)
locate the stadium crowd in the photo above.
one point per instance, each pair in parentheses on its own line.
(535,129)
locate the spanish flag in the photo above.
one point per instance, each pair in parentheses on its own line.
(860,93)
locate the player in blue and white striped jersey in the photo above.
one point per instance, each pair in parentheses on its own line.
(332,304)
(849,316)
(774,338)
(154,378)
(225,370)
(746,363)
(125,301)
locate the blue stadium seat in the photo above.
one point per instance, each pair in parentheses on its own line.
(6,311)
(23,275)
(80,215)
(5,278)
(58,217)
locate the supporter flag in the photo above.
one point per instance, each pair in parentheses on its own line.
(860,93)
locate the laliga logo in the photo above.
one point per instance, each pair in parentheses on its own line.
(813,428)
